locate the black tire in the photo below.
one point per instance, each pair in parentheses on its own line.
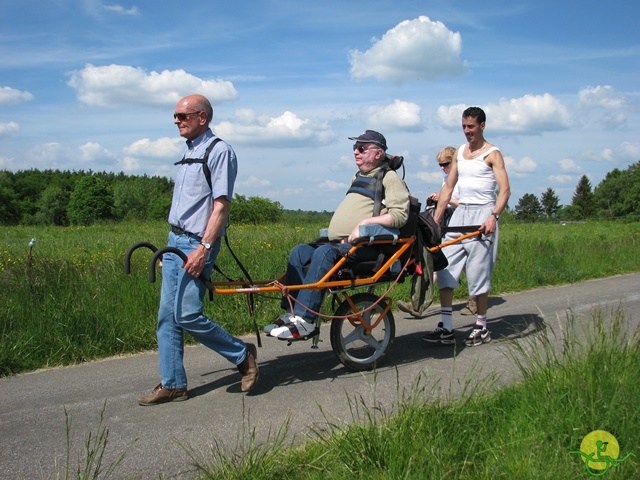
(354,349)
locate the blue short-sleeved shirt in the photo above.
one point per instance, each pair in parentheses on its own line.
(192,201)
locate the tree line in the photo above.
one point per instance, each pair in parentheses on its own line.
(617,196)
(54,197)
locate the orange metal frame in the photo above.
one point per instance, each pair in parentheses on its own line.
(265,286)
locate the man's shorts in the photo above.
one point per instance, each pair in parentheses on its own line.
(476,255)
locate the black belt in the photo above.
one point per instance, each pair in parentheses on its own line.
(178,230)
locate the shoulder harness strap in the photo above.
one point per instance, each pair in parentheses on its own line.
(372,187)
(205,166)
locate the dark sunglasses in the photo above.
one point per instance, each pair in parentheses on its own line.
(183,116)
(360,148)
(444,164)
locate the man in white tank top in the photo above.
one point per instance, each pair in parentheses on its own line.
(477,168)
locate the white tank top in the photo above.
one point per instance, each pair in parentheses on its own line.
(476,181)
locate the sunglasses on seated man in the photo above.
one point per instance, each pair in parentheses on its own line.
(361,149)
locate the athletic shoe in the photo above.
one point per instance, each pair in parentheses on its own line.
(281,321)
(440,335)
(297,329)
(478,336)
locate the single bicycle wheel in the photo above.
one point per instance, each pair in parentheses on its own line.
(355,347)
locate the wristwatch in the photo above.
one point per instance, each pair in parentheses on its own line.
(207,246)
(496,215)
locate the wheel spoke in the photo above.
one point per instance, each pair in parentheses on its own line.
(354,335)
(357,347)
(372,342)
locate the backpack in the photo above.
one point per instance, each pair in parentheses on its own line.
(446,216)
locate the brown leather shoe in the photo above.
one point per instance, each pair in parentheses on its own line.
(249,368)
(163,395)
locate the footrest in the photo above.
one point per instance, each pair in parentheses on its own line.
(315,333)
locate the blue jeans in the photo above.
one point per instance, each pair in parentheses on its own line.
(180,311)
(319,259)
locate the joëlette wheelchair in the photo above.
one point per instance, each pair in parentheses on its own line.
(362,325)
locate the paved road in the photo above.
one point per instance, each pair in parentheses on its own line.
(297,385)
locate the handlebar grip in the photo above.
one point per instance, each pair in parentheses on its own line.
(127,258)
(156,257)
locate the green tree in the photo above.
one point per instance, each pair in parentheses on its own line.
(618,195)
(255,210)
(9,207)
(91,200)
(142,198)
(582,200)
(550,203)
(52,206)
(528,208)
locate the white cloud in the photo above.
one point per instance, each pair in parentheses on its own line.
(332,186)
(529,115)
(612,121)
(287,130)
(604,155)
(94,152)
(418,49)
(50,155)
(425,160)
(5,162)
(290,194)
(569,165)
(603,96)
(150,156)
(609,104)
(623,153)
(399,115)
(11,96)
(56,155)
(161,148)
(433,178)
(119,9)
(520,168)
(563,179)
(629,151)
(345,162)
(122,85)
(130,164)
(254,181)
(8,128)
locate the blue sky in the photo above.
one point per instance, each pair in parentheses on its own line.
(92,85)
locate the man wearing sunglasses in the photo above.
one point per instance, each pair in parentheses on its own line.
(478,167)
(199,211)
(309,263)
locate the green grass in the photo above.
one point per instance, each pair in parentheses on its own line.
(68,300)
(524,431)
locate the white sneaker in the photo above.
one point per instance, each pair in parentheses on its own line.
(282,320)
(298,329)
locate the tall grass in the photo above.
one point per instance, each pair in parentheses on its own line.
(586,382)
(90,464)
(70,301)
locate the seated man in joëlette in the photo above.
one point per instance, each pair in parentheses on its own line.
(358,208)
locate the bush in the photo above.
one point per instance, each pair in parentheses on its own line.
(91,201)
(255,210)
